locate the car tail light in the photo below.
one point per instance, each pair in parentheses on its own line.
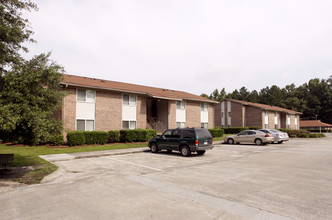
(267,135)
(196,142)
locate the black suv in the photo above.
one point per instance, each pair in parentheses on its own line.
(185,140)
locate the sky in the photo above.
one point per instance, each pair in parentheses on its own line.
(188,45)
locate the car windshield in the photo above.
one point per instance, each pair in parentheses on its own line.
(203,133)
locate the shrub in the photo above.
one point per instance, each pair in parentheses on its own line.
(320,130)
(114,136)
(316,135)
(292,136)
(57,140)
(75,138)
(127,136)
(234,130)
(136,135)
(217,132)
(255,128)
(303,135)
(151,133)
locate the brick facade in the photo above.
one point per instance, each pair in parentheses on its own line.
(236,115)
(193,114)
(248,115)
(108,111)
(69,110)
(211,116)
(141,112)
(171,114)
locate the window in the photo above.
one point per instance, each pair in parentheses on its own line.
(85,125)
(180,124)
(204,107)
(128,124)
(188,134)
(176,133)
(167,134)
(180,105)
(276,126)
(129,100)
(205,125)
(266,126)
(222,114)
(229,114)
(86,95)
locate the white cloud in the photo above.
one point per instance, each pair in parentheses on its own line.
(195,46)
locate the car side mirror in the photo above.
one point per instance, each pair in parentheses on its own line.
(163,137)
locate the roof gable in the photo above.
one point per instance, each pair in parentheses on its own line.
(265,107)
(131,88)
(313,123)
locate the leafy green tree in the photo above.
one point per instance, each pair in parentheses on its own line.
(205,95)
(14,30)
(29,97)
(253,96)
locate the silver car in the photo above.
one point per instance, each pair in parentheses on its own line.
(250,136)
(279,136)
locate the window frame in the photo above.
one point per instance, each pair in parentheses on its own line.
(180,104)
(129,125)
(205,125)
(182,124)
(87,100)
(130,103)
(204,107)
(85,123)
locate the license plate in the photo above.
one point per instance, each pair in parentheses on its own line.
(205,142)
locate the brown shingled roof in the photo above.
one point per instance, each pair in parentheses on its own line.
(131,88)
(266,107)
(313,123)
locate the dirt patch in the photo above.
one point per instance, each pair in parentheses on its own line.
(24,174)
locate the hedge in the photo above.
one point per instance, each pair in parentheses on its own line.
(75,138)
(301,133)
(234,130)
(114,136)
(320,130)
(57,140)
(137,135)
(217,132)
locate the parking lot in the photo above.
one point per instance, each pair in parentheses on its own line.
(277,181)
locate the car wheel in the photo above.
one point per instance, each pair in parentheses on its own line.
(201,152)
(230,141)
(185,151)
(154,148)
(280,142)
(169,151)
(258,141)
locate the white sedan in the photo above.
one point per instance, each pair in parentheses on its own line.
(250,136)
(279,136)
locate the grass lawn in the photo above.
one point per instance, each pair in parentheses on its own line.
(27,156)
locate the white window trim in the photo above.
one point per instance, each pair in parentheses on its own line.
(205,105)
(182,105)
(86,96)
(86,119)
(181,123)
(129,124)
(130,103)
(205,123)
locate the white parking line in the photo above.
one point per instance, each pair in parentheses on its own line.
(233,207)
(135,164)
